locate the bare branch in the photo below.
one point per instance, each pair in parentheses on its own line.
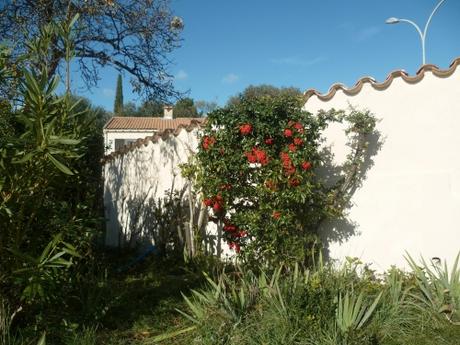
(135,37)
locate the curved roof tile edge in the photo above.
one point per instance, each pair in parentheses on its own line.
(355,89)
(153,139)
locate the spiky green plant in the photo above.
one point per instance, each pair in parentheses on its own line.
(353,312)
(439,287)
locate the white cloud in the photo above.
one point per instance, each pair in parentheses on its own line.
(181,75)
(297,61)
(230,78)
(108,92)
(367,33)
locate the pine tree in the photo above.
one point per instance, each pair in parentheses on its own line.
(118,106)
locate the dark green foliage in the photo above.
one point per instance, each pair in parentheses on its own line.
(146,109)
(150,109)
(50,188)
(118,105)
(253,92)
(185,107)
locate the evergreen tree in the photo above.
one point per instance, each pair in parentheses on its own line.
(118,106)
(185,107)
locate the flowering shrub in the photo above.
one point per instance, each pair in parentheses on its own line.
(257,171)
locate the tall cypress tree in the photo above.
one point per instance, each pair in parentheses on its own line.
(118,106)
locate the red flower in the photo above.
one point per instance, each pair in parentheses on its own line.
(246,129)
(299,127)
(252,158)
(298,141)
(290,170)
(261,155)
(276,214)
(306,165)
(257,155)
(208,142)
(207,202)
(235,246)
(230,228)
(285,157)
(294,182)
(288,133)
(292,148)
(217,207)
(288,167)
(269,141)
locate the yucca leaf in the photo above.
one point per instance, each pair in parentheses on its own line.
(42,340)
(160,338)
(370,311)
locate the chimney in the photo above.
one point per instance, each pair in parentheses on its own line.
(167,112)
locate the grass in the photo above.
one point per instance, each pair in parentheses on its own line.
(144,302)
(164,302)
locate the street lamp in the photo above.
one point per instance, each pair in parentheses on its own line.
(394,20)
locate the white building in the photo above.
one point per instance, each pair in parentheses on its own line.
(124,130)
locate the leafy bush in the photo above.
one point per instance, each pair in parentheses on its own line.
(258,171)
(281,307)
(50,185)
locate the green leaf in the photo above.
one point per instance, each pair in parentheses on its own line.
(42,340)
(59,165)
(27,157)
(170,335)
(74,20)
(64,141)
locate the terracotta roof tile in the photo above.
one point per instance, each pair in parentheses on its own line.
(193,123)
(442,73)
(149,123)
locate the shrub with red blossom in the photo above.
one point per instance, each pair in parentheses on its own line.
(288,132)
(245,129)
(208,142)
(260,180)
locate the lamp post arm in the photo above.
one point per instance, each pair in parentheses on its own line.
(430,17)
(421,34)
(415,26)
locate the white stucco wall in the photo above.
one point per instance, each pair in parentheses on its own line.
(140,175)
(410,200)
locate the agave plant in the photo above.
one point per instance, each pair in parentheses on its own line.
(439,287)
(232,299)
(353,312)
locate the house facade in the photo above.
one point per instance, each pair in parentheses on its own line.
(120,131)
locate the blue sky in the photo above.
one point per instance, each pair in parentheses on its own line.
(228,45)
